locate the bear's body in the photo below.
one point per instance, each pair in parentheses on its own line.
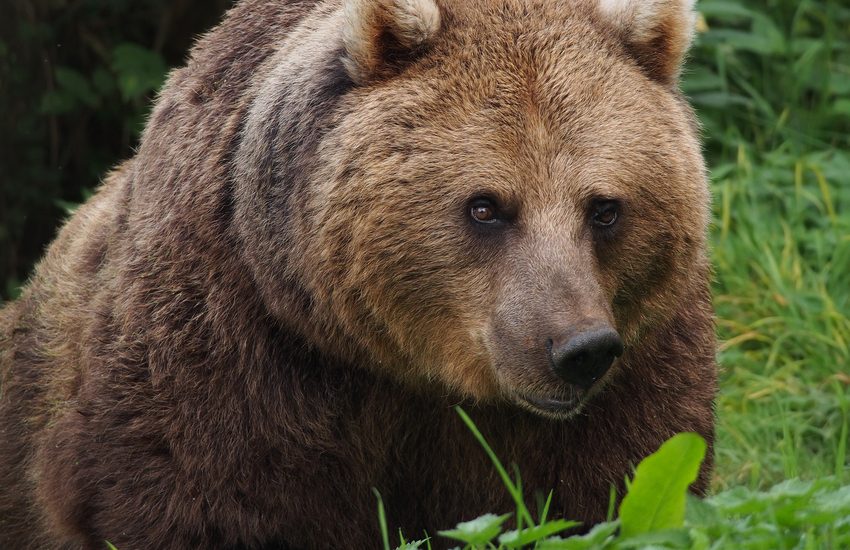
(274,306)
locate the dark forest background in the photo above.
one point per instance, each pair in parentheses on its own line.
(76,81)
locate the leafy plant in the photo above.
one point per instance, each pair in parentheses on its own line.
(658,512)
(76,83)
(656,497)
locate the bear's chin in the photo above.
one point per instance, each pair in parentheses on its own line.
(548,407)
(563,405)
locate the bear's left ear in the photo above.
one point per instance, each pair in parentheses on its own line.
(658,33)
(381,36)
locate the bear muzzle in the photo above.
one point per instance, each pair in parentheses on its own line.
(584,358)
(578,361)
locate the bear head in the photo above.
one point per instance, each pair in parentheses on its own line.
(497,197)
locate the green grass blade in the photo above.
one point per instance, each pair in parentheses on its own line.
(516,492)
(382,519)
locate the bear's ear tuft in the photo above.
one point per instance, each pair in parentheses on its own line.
(658,33)
(380,36)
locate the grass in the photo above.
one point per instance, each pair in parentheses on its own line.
(772,85)
(782,255)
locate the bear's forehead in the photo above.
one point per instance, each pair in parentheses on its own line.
(564,69)
(495,29)
(514,14)
(531,105)
(521,92)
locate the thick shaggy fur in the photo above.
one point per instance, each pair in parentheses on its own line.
(274,305)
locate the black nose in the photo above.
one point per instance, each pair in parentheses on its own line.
(584,358)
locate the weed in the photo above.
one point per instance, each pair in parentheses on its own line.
(658,512)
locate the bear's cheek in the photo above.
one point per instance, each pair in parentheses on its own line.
(648,271)
(425,294)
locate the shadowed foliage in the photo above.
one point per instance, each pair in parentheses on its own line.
(76,80)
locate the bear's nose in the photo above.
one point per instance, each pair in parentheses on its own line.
(584,358)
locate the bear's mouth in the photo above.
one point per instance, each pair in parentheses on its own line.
(559,408)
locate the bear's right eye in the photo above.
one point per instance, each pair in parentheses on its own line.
(484,210)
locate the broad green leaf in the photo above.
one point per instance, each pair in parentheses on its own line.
(57,102)
(598,537)
(700,512)
(478,531)
(724,8)
(701,79)
(838,501)
(519,539)
(656,498)
(762,44)
(839,83)
(842,107)
(720,100)
(792,488)
(76,85)
(669,538)
(103,81)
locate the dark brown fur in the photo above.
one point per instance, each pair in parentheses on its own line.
(273,307)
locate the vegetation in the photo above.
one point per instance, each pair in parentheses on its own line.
(76,80)
(773,89)
(771,82)
(658,512)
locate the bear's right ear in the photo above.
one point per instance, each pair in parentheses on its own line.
(381,35)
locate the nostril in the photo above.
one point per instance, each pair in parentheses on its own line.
(586,357)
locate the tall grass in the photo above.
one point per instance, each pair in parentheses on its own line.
(771,81)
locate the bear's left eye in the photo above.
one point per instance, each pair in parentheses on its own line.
(605,213)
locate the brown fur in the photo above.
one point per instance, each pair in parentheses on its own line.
(274,305)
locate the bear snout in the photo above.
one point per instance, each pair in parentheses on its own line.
(582,359)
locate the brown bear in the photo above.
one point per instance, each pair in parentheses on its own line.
(344,218)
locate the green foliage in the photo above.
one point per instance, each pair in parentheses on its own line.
(769,80)
(653,510)
(656,497)
(138,70)
(658,512)
(479,531)
(769,74)
(76,82)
